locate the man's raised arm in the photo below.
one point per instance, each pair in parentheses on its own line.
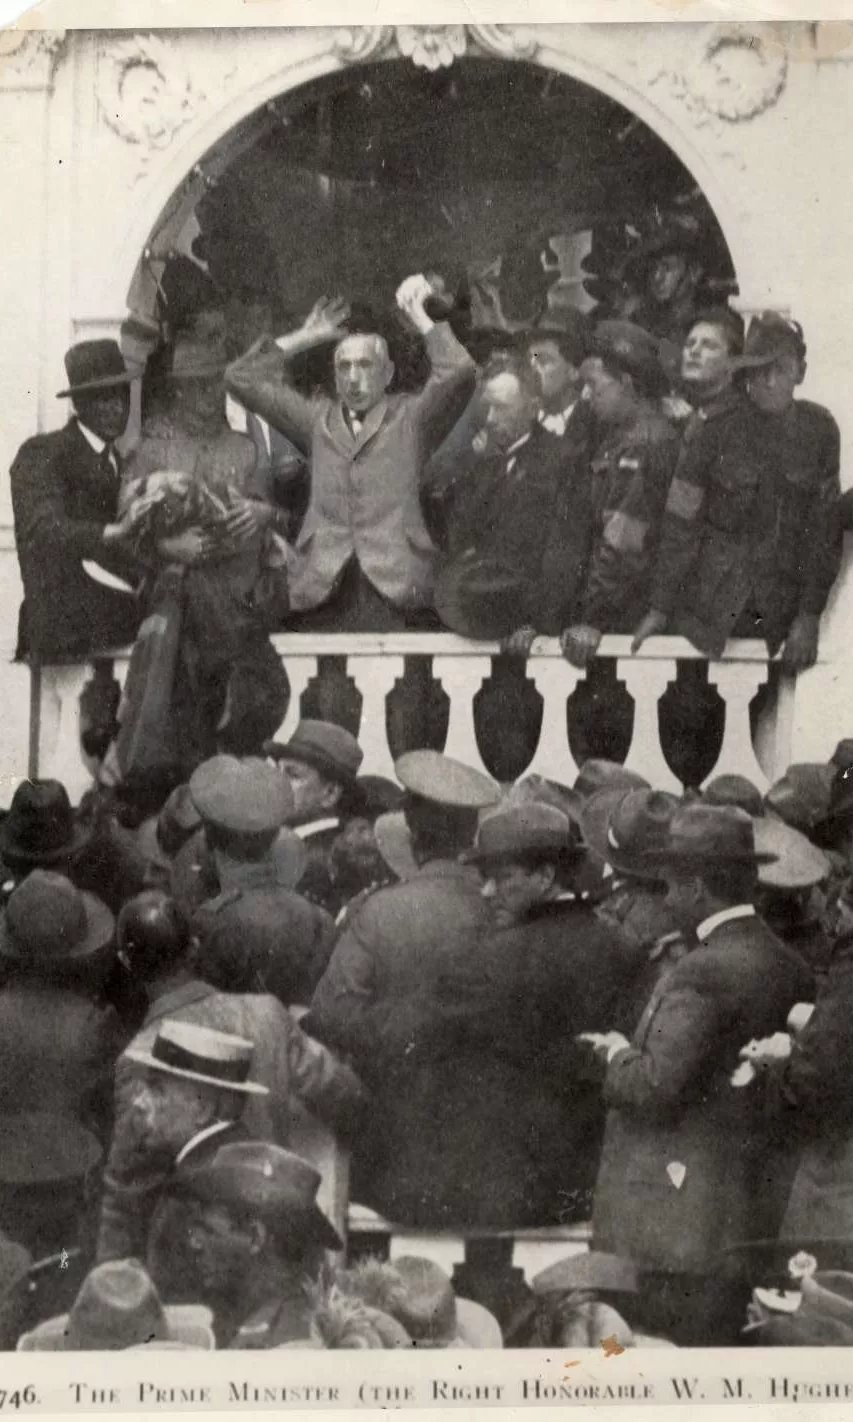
(260,379)
(452,371)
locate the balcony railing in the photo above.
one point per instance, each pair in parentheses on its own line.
(375,663)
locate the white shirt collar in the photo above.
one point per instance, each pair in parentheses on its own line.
(729,915)
(556,423)
(316,827)
(94,441)
(215,1130)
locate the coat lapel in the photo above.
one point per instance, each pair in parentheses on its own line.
(372,422)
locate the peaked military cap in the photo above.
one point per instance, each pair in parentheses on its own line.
(241,796)
(445,781)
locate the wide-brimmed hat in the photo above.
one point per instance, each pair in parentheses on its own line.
(801,796)
(671,236)
(324,745)
(445,781)
(630,348)
(265,1180)
(481,598)
(118,1307)
(708,834)
(769,337)
(92,366)
(622,826)
(41,1148)
(244,796)
(49,923)
(431,1313)
(521,831)
(734,790)
(394,842)
(596,774)
(594,1271)
(796,862)
(40,827)
(202,1054)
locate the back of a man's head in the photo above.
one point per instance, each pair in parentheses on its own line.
(153,935)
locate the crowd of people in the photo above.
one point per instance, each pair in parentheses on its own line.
(516,1007)
(516,1004)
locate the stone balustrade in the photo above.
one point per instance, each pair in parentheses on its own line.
(374,663)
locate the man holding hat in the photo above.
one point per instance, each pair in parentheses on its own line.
(377,1000)
(681,1171)
(749,545)
(72,544)
(255,1236)
(631,471)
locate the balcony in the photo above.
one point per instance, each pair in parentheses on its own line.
(375,663)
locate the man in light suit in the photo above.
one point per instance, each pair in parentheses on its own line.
(364,560)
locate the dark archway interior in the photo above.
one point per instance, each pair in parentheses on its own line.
(496,171)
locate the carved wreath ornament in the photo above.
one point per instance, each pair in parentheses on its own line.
(145,91)
(739,71)
(430,46)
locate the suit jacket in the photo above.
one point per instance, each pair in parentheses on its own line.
(62,499)
(365,489)
(533,513)
(750,521)
(680,1177)
(295,1068)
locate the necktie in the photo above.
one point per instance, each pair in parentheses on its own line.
(108,462)
(353,422)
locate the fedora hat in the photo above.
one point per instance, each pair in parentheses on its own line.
(708,834)
(329,748)
(444,781)
(48,922)
(40,827)
(241,796)
(621,826)
(266,1180)
(118,1307)
(200,1054)
(394,842)
(596,774)
(734,790)
(801,796)
(431,1313)
(520,831)
(483,599)
(796,862)
(769,337)
(92,366)
(594,1272)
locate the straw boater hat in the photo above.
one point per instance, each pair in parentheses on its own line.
(267,1181)
(118,1307)
(200,1054)
(92,366)
(49,923)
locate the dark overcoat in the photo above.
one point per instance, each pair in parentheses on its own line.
(680,1176)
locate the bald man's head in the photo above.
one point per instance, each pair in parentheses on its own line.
(363,371)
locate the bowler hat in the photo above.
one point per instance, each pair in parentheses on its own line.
(595,775)
(445,781)
(48,922)
(202,1054)
(708,834)
(632,349)
(797,863)
(770,336)
(431,1313)
(329,748)
(40,827)
(92,366)
(734,790)
(594,1271)
(520,831)
(479,597)
(241,796)
(621,826)
(801,796)
(118,1307)
(267,1181)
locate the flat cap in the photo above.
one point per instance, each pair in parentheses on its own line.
(324,745)
(241,796)
(437,777)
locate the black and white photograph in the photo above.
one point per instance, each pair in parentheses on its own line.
(426,745)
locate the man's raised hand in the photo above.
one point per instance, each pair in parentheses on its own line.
(326,321)
(410,298)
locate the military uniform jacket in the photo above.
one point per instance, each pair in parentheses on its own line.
(750,521)
(62,498)
(681,1171)
(631,471)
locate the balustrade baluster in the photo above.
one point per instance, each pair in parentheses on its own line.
(462,678)
(737,683)
(60,754)
(374,676)
(646,682)
(300,670)
(555,680)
